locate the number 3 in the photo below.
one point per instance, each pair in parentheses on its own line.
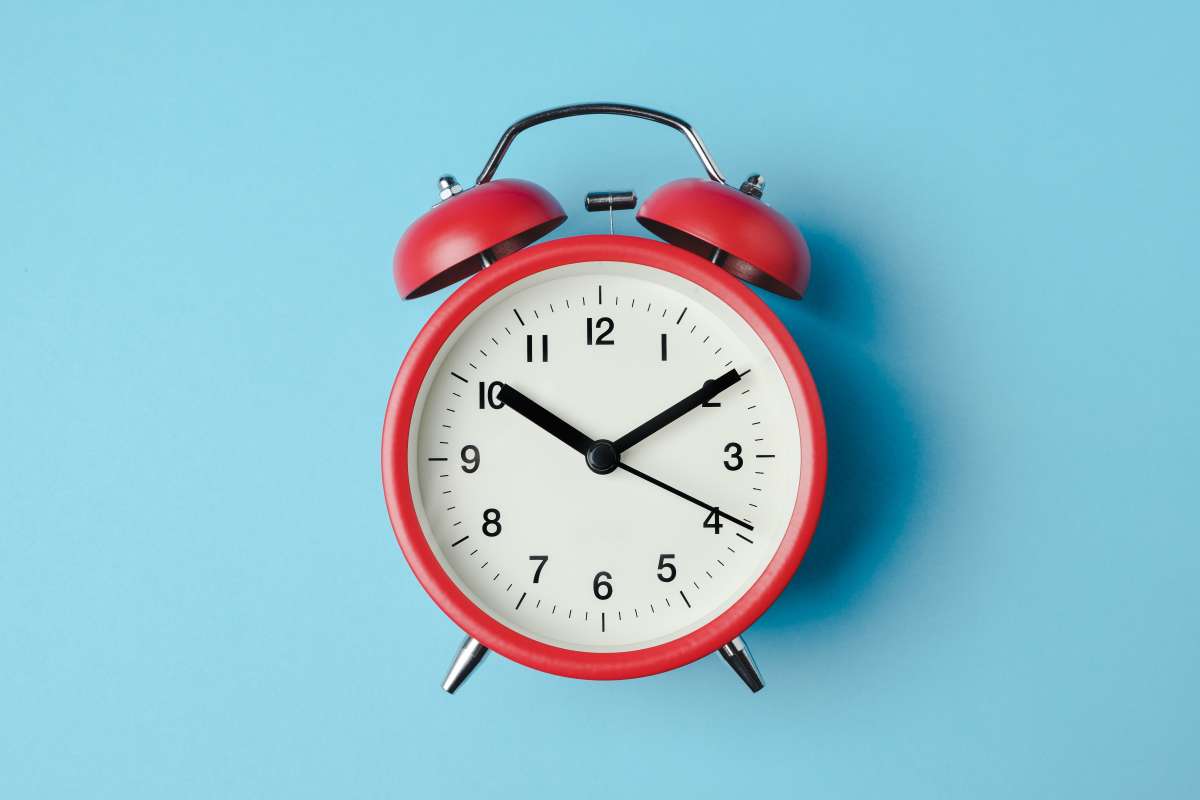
(735,460)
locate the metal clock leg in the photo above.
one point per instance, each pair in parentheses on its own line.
(737,655)
(465,661)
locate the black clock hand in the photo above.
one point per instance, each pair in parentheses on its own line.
(708,391)
(685,496)
(544,419)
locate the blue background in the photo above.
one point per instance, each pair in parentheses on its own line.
(200,594)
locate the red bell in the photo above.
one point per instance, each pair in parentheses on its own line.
(734,229)
(469,230)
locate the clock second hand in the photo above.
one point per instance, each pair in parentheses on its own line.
(685,496)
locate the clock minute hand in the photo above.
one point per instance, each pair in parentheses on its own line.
(545,420)
(708,391)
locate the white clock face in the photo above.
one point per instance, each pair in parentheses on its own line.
(612,561)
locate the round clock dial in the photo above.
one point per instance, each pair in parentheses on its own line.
(643,541)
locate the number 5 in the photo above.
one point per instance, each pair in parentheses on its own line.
(664,563)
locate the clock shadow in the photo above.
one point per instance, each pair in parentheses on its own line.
(875,459)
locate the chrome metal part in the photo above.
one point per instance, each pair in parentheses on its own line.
(465,661)
(737,655)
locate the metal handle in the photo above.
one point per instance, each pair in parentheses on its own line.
(621,109)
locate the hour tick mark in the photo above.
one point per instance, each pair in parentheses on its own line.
(460,377)
(764,455)
(460,541)
(522,600)
(740,536)
(681,313)
(602,622)
(438,458)
(518,313)
(684,596)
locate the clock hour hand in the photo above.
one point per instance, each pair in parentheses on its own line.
(545,420)
(708,391)
(686,496)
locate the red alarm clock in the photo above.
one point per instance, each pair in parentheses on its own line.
(603,455)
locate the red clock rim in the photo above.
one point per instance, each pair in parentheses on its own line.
(628,663)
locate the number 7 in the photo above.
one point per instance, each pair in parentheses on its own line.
(537,573)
